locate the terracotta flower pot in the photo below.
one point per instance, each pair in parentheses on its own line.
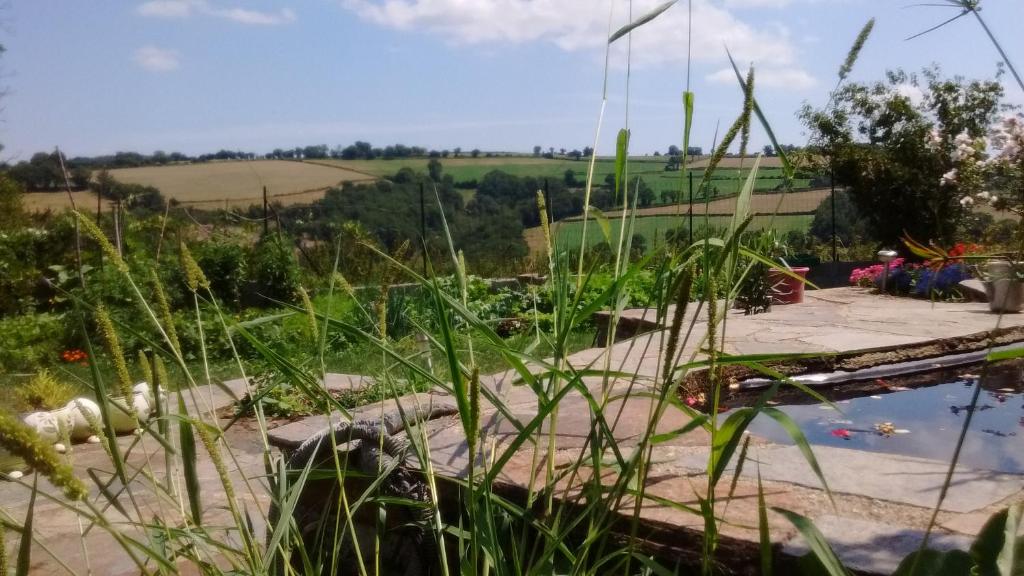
(786,289)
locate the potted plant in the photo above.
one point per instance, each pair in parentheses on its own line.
(764,285)
(1003,285)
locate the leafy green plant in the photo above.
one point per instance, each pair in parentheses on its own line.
(44,391)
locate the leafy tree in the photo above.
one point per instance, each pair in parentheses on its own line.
(536,150)
(644,193)
(80,177)
(879,143)
(457,151)
(11,213)
(673,150)
(850,226)
(588,151)
(434,169)
(569,178)
(475,152)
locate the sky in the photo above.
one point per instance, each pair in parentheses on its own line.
(197,76)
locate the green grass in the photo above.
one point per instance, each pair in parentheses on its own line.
(650,169)
(653,228)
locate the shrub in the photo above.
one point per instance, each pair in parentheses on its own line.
(31,340)
(224,264)
(44,392)
(272,272)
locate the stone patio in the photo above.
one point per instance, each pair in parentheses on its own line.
(882,503)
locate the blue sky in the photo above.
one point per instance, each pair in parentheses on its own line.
(200,75)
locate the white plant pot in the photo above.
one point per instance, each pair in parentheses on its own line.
(1005,292)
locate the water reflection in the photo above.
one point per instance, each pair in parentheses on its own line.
(924,422)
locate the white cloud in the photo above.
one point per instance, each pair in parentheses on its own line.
(157,59)
(243,16)
(575,25)
(185,8)
(790,78)
(166,8)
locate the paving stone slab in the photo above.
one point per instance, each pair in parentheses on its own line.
(892,477)
(873,547)
(418,406)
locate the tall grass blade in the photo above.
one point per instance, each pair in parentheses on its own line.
(687,129)
(791,428)
(25,545)
(187,442)
(742,210)
(621,157)
(820,547)
(787,165)
(998,550)
(763,532)
(640,21)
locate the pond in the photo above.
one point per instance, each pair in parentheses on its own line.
(924,422)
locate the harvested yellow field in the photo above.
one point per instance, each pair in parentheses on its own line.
(240,183)
(58,201)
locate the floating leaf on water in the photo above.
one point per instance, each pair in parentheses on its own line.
(875,396)
(885,428)
(901,431)
(841,433)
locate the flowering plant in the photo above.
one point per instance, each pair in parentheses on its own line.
(939,280)
(73,355)
(988,170)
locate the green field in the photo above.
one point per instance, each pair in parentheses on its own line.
(725,182)
(653,228)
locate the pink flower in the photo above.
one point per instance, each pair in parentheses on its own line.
(841,433)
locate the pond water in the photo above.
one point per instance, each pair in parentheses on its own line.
(924,422)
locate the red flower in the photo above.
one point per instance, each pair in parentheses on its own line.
(841,433)
(73,355)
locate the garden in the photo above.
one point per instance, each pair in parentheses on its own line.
(166,403)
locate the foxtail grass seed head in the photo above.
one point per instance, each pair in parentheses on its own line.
(206,436)
(712,300)
(194,277)
(748,108)
(343,285)
(144,367)
(542,209)
(382,314)
(307,303)
(160,372)
(113,343)
(163,306)
(23,442)
(93,231)
(716,158)
(682,301)
(854,53)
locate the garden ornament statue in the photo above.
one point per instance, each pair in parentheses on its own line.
(886,256)
(80,419)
